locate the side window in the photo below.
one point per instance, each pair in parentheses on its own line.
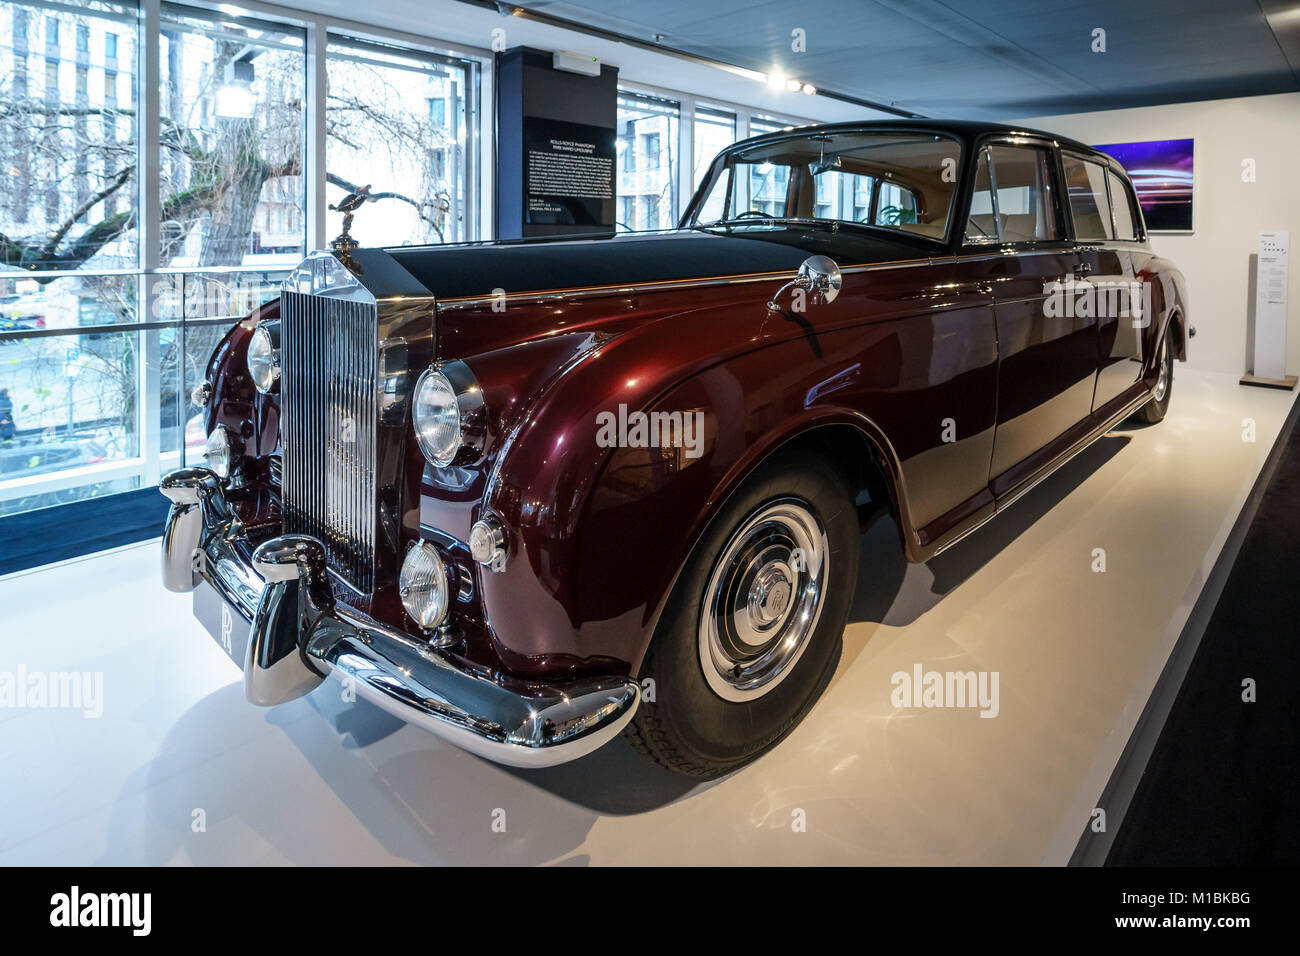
(1086,184)
(1012,200)
(1122,202)
(895,205)
(982,225)
(1022,177)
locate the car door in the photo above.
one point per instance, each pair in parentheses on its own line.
(1016,243)
(1105,229)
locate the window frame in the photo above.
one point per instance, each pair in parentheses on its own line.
(1064,222)
(1116,171)
(1097,159)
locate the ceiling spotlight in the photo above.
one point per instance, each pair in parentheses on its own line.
(776,80)
(809,89)
(235,98)
(792,85)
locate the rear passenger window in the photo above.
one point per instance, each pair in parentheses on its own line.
(1122,201)
(1086,183)
(1012,200)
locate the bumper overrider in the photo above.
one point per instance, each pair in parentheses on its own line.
(299,635)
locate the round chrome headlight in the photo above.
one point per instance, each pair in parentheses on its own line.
(264,358)
(220,451)
(436,416)
(423,585)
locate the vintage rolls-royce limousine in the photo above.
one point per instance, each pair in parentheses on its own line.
(532,495)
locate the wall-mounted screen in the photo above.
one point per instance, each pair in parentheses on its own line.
(1161,171)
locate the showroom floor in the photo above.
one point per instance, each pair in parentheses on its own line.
(179,768)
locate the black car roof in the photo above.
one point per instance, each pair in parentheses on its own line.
(966,130)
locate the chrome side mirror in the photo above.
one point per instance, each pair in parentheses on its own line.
(819,276)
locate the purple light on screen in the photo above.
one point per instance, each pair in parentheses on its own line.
(1161,171)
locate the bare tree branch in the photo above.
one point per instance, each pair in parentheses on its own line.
(118,182)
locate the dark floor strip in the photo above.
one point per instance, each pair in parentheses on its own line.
(1222,786)
(33,538)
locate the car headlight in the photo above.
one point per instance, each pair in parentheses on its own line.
(423,585)
(220,451)
(264,357)
(447,413)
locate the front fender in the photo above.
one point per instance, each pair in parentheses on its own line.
(599,534)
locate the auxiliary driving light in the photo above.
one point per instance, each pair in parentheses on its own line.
(423,585)
(220,451)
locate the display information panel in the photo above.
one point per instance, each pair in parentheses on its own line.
(568,173)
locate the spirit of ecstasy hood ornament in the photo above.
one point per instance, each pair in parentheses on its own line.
(344,245)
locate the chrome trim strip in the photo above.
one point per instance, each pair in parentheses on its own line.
(1046,472)
(1029,484)
(672,285)
(669,285)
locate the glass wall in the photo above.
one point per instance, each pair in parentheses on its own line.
(67,136)
(104,334)
(648,154)
(714,130)
(397,120)
(68,184)
(230,143)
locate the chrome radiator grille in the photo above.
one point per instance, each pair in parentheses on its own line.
(328,420)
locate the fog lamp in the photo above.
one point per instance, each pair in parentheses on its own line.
(423,585)
(220,451)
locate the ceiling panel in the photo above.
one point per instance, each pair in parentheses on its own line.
(988,59)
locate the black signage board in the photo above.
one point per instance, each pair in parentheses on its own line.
(569,171)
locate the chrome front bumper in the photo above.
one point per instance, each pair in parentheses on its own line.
(299,635)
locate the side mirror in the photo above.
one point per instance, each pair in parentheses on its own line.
(819,276)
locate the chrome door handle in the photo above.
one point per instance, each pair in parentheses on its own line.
(1083,268)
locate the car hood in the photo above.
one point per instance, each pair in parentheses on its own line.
(486,269)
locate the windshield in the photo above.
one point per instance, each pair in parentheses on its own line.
(889,180)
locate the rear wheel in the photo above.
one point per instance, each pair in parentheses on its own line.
(1155,410)
(752,630)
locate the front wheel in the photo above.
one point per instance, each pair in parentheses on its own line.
(752,630)
(1156,409)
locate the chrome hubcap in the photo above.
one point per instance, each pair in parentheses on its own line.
(1162,383)
(762,600)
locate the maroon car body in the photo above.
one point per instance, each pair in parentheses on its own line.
(939,380)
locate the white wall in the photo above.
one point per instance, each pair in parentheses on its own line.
(1228,213)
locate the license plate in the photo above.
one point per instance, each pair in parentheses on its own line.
(228,627)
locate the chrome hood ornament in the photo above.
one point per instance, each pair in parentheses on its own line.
(345,245)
